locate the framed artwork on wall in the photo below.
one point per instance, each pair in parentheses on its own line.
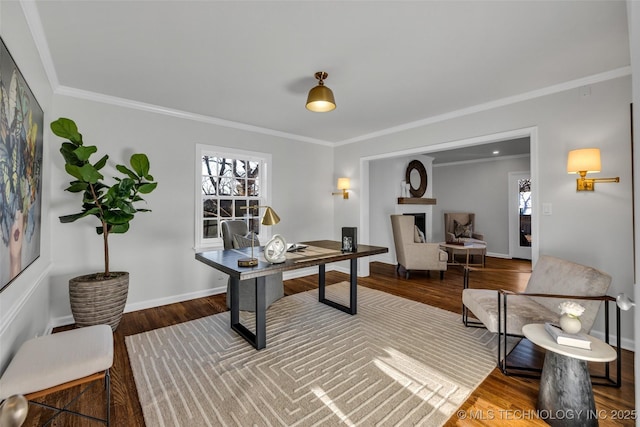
(21,131)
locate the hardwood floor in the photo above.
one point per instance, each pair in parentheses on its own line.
(499,400)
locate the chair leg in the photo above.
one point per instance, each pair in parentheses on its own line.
(441,274)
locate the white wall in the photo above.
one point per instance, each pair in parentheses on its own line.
(589,228)
(24,304)
(482,188)
(633,13)
(158,249)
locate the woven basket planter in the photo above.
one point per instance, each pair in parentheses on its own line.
(98,301)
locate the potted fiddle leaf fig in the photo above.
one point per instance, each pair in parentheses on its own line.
(99,298)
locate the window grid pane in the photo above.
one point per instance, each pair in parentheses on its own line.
(225,190)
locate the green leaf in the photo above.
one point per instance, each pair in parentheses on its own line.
(148,177)
(90,174)
(71,218)
(77,186)
(147,188)
(74,171)
(100,164)
(116,217)
(121,228)
(125,170)
(67,150)
(66,128)
(140,164)
(84,152)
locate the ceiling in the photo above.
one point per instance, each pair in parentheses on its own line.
(512,147)
(390,63)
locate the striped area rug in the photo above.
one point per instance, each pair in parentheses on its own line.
(396,363)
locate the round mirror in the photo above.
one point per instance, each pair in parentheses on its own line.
(416,176)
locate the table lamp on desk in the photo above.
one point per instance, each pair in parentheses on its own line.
(270,217)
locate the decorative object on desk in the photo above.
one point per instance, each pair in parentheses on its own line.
(275,249)
(13,411)
(269,218)
(624,302)
(21,147)
(579,340)
(343,185)
(570,316)
(416,178)
(349,239)
(100,298)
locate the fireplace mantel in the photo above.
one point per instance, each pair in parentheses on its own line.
(416,201)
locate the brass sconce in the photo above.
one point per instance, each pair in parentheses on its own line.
(320,99)
(584,161)
(343,184)
(270,218)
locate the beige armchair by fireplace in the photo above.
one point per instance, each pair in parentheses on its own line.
(461,226)
(414,255)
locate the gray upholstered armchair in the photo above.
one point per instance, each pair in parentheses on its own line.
(552,281)
(235,235)
(414,255)
(461,226)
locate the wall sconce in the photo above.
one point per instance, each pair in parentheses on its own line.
(343,184)
(583,161)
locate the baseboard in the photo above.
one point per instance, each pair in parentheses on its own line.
(143,305)
(626,343)
(498,255)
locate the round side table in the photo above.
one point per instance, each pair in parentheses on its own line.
(566,397)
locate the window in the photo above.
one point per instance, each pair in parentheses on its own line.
(227,182)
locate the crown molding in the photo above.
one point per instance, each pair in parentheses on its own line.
(485,160)
(561,87)
(35,27)
(128,103)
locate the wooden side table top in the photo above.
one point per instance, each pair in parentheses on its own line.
(600,350)
(463,247)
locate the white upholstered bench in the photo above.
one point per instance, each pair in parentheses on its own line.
(55,362)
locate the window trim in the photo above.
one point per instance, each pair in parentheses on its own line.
(265,189)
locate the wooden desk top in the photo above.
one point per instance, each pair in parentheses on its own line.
(317,252)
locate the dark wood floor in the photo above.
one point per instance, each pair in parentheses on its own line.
(499,400)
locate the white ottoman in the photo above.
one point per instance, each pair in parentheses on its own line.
(59,361)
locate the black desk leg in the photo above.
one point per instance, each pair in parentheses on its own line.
(259,339)
(353,289)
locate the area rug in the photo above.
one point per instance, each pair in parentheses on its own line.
(396,363)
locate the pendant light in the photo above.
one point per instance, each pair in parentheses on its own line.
(320,99)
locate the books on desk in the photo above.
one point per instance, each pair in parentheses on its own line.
(293,247)
(579,340)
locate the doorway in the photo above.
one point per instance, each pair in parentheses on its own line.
(520,215)
(365,208)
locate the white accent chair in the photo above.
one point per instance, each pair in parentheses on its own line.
(59,361)
(552,281)
(414,255)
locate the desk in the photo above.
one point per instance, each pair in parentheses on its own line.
(327,251)
(453,248)
(565,384)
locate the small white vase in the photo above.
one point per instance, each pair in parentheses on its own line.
(570,325)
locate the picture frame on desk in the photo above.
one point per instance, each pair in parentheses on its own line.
(349,239)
